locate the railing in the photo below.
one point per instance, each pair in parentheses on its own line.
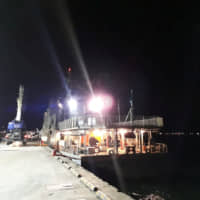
(139,121)
(98,121)
(83,122)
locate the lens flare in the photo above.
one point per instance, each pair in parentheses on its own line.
(100,103)
(96,104)
(70,34)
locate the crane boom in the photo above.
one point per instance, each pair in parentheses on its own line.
(19,103)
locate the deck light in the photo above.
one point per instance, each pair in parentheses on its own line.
(122,131)
(99,103)
(72,104)
(96,104)
(44,138)
(60,105)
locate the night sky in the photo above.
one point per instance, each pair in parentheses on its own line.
(152,47)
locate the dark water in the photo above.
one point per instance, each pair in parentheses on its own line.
(177,190)
(183,187)
(169,188)
(184,184)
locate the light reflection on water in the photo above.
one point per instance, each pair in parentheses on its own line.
(177,190)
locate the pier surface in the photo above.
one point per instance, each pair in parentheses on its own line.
(29,173)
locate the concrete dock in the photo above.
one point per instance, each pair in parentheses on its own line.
(29,173)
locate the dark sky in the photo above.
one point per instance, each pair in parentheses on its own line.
(152,47)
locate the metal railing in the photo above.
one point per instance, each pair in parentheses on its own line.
(98,121)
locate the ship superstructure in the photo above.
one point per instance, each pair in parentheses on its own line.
(92,134)
(101,133)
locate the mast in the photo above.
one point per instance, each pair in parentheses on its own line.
(131,104)
(19,103)
(130,114)
(118,111)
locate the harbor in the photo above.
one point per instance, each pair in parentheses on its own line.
(99,100)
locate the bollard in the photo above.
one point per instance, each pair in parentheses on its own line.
(102,195)
(75,172)
(67,166)
(88,184)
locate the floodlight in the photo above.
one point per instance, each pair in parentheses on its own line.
(60,105)
(96,104)
(72,104)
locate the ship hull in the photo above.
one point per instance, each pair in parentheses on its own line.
(131,166)
(142,166)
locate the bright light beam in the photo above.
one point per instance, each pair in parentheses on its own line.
(67,24)
(54,58)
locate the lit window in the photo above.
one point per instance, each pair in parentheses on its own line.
(93,121)
(89,121)
(80,122)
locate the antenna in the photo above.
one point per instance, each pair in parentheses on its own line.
(118,111)
(130,112)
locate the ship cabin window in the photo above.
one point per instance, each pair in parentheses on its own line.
(80,122)
(91,121)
